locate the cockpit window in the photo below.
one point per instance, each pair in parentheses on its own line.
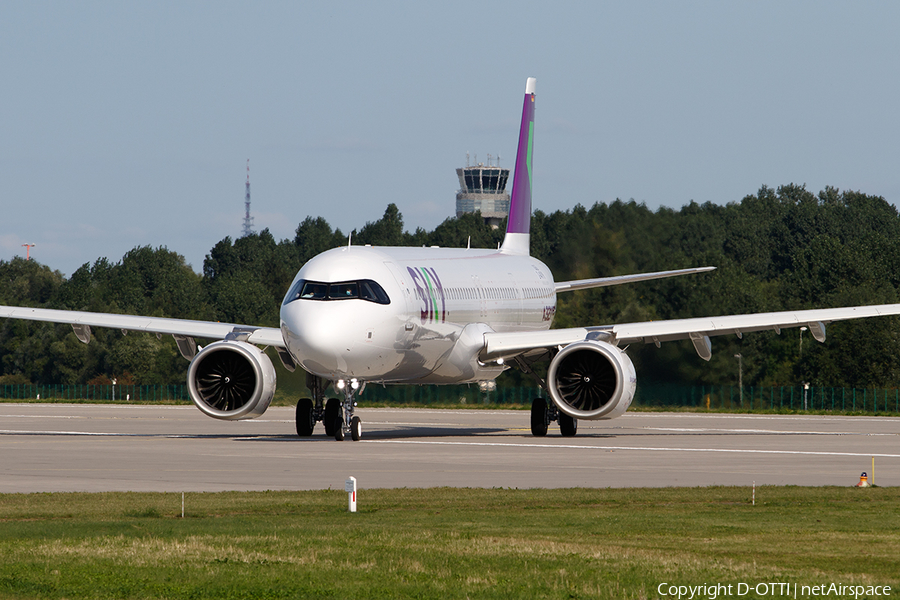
(343,291)
(365,289)
(369,290)
(314,291)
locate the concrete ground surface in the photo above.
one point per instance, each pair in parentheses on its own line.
(92,448)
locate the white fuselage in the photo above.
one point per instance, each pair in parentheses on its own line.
(440,302)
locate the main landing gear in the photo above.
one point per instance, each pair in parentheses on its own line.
(543,412)
(335,414)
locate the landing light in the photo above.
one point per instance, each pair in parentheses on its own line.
(354,384)
(499,361)
(339,384)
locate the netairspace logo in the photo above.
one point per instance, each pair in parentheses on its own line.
(711,591)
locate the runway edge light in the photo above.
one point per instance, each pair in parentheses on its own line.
(350,488)
(863,481)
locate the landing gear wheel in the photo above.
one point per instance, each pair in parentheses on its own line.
(355,428)
(539,418)
(306,420)
(332,412)
(339,428)
(568,426)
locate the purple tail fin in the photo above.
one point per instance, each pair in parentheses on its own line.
(517,240)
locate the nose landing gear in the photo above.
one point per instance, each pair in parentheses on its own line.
(347,423)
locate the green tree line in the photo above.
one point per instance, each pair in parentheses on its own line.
(779,249)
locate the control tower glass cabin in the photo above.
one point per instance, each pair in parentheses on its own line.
(483,188)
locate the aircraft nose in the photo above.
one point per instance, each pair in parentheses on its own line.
(335,339)
(312,337)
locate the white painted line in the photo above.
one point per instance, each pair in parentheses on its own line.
(45,417)
(95,434)
(52,405)
(768,431)
(645,448)
(755,417)
(25,432)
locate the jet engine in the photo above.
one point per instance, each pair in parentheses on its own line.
(231,380)
(591,380)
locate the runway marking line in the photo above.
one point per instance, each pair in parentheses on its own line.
(768,431)
(97,434)
(645,448)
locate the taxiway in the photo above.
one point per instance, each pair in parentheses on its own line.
(53,447)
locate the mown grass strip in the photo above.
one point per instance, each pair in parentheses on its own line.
(443,543)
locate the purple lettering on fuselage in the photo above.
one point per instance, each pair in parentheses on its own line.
(440,291)
(429,289)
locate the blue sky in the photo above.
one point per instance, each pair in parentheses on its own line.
(129,123)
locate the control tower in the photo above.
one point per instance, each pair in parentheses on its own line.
(483,188)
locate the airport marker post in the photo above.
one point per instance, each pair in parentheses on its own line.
(350,488)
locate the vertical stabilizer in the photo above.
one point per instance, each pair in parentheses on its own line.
(517,240)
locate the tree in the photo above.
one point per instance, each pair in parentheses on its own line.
(467,231)
(778,249)
(387,231)
(315,236)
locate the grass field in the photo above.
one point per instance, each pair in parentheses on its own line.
(445,543)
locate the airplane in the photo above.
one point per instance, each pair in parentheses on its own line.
(360,315)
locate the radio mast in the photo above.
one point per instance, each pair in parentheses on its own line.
(248,220)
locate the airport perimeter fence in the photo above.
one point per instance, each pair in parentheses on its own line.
(765,398)
(111,393)
(754,398)
(649,395)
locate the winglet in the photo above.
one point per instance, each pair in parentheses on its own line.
(518,227)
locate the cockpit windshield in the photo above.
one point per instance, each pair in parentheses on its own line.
(364,289)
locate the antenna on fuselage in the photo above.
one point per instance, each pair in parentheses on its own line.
(469,243)
(349,239)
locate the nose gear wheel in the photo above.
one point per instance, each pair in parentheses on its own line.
(331,419)
(347,423)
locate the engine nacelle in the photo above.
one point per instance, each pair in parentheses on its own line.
(591,380)
(231,380)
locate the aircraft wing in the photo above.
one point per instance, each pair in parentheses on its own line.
(581,284)
(698,330)
(268,336)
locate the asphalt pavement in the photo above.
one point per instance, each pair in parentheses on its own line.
(92,448)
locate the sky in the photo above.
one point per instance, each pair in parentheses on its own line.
(129,124)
